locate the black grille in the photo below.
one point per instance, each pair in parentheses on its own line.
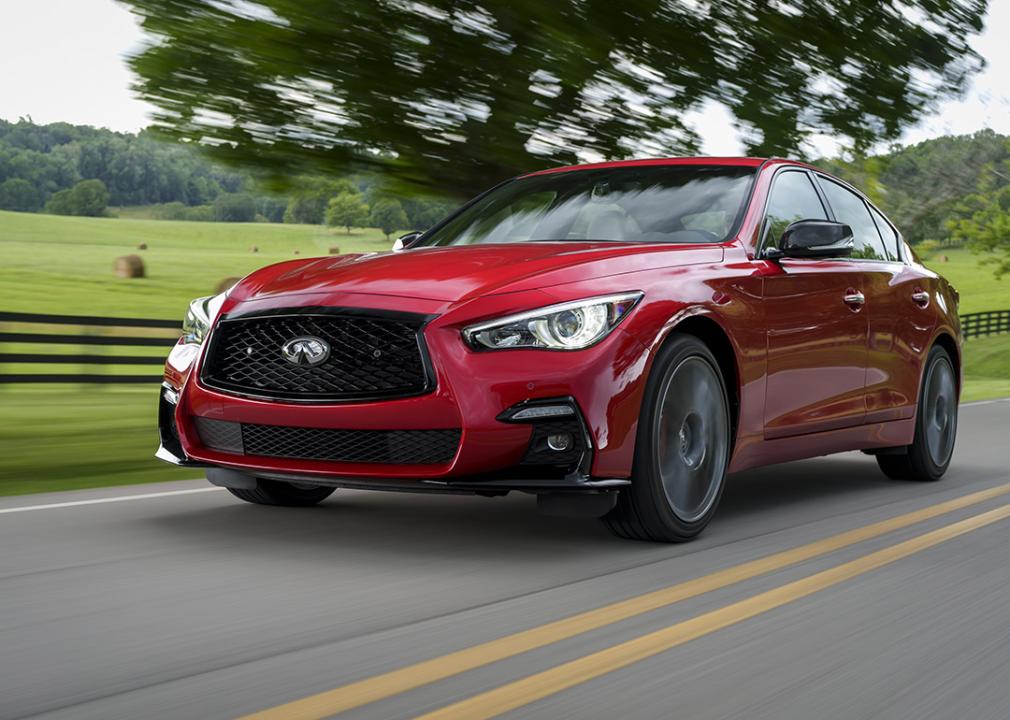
(400,447)
(370,357)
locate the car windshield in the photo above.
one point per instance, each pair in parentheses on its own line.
(659,203)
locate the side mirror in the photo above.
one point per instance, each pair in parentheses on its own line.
(814,239)
(403,242)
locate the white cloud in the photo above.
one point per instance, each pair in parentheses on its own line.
(63,60)
(987,102)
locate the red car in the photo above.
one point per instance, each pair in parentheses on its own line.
(614,338)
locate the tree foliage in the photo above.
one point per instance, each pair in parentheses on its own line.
(310,197)
(18,194)
(135,169)
(453,96)
(235,207)
(387,215)
(347,210)
(88,198)
(922,187)
(983,217)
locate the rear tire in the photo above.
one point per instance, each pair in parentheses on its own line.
(928,457)
(682,449)
(275,492)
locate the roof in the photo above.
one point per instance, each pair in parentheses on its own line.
(696,160)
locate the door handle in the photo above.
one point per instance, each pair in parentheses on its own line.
(920,298)
(854,299)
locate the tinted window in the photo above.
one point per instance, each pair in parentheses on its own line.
(850,209)
(680,204)
(793,198)
(887,232)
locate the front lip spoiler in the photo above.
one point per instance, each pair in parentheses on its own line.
(166,455)
(571,483)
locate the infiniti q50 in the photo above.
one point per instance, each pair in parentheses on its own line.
(614,338)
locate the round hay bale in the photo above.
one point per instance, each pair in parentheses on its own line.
(225,284)
(254,249)
(297,253)
(129,266)
(334,250)
(142,246)
(944,258)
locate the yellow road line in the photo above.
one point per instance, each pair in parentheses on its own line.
(540,685)
(378,687)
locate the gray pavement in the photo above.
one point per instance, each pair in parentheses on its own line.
(195,605)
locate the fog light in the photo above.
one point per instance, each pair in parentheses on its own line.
(559,442)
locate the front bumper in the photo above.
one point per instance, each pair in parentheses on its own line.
(528,475)
(473,393)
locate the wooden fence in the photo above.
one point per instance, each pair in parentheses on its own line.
(83,340)
(991,322)
(107,334)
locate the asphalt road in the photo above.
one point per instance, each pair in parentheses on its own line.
(195,605)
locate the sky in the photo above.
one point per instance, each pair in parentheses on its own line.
(63,60)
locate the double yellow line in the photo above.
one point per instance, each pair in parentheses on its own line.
(558,678)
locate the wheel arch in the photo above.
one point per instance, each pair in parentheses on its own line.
(946,340)
(705,327)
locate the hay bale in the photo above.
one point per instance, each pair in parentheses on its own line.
(129,266)
(142,246)
(297,253)
(254,249)
(944,258)
(225,284)
(334,250)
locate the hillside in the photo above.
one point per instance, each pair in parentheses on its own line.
(920,186)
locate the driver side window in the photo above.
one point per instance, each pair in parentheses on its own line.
(793,198)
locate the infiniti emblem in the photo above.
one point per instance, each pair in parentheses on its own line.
(306,350)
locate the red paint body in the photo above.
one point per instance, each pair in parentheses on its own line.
(811,375)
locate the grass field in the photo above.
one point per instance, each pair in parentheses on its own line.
(64,264)
(56,438)
(973,278)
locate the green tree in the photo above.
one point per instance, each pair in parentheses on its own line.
(920,187)
(234,207)
(310,197)
(21,195)
(61,203)
(423,213)
(88,197)
(983,218)
(387,215)
(347,210)
(390,85)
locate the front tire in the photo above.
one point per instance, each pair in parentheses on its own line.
(682,450)
(928,457)
(275,492)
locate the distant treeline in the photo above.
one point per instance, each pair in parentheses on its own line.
(928,188)
(81,170)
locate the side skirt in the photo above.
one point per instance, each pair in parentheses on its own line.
(797,447)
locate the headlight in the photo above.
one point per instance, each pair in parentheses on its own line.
(568,326)
(197,322)
(201,313)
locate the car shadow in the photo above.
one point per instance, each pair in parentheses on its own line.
(509,529)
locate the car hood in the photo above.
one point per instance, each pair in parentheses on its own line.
(460,273)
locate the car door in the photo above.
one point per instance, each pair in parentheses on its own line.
(816,328)
(897,299)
